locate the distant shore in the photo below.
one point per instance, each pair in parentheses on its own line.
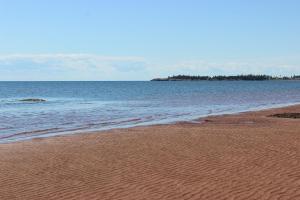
(252,155)
(249,77)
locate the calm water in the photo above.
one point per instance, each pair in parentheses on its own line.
(78,106)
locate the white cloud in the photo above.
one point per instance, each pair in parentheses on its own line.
(69,66)
(96,67)
(39,57)
(202,67)
(69,58)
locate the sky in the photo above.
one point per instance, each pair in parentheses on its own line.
(144,39)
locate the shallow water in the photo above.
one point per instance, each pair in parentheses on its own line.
(85,106)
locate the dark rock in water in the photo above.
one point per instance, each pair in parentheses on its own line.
(287,115)
(33,100)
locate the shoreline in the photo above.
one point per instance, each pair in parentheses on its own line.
(145,124)
(248,155)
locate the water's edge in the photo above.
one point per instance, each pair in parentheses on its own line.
(152,123)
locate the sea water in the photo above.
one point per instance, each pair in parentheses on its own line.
(72,107)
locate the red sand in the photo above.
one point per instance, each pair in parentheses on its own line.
(245,156)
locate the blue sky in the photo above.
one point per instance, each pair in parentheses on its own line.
(142,39)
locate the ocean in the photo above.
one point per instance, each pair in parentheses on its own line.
(72,107)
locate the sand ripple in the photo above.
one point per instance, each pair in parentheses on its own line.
(247,156)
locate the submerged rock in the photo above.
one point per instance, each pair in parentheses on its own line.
(33,100)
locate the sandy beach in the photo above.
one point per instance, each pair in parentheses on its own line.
(243,156)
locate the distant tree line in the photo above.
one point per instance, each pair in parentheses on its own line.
(249,77)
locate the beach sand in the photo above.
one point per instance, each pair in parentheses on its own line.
(244,156)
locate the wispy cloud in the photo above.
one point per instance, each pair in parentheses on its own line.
(203,67)
(97,67)
(69,66)
(66,56)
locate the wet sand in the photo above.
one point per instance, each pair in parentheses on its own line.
(245,156)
